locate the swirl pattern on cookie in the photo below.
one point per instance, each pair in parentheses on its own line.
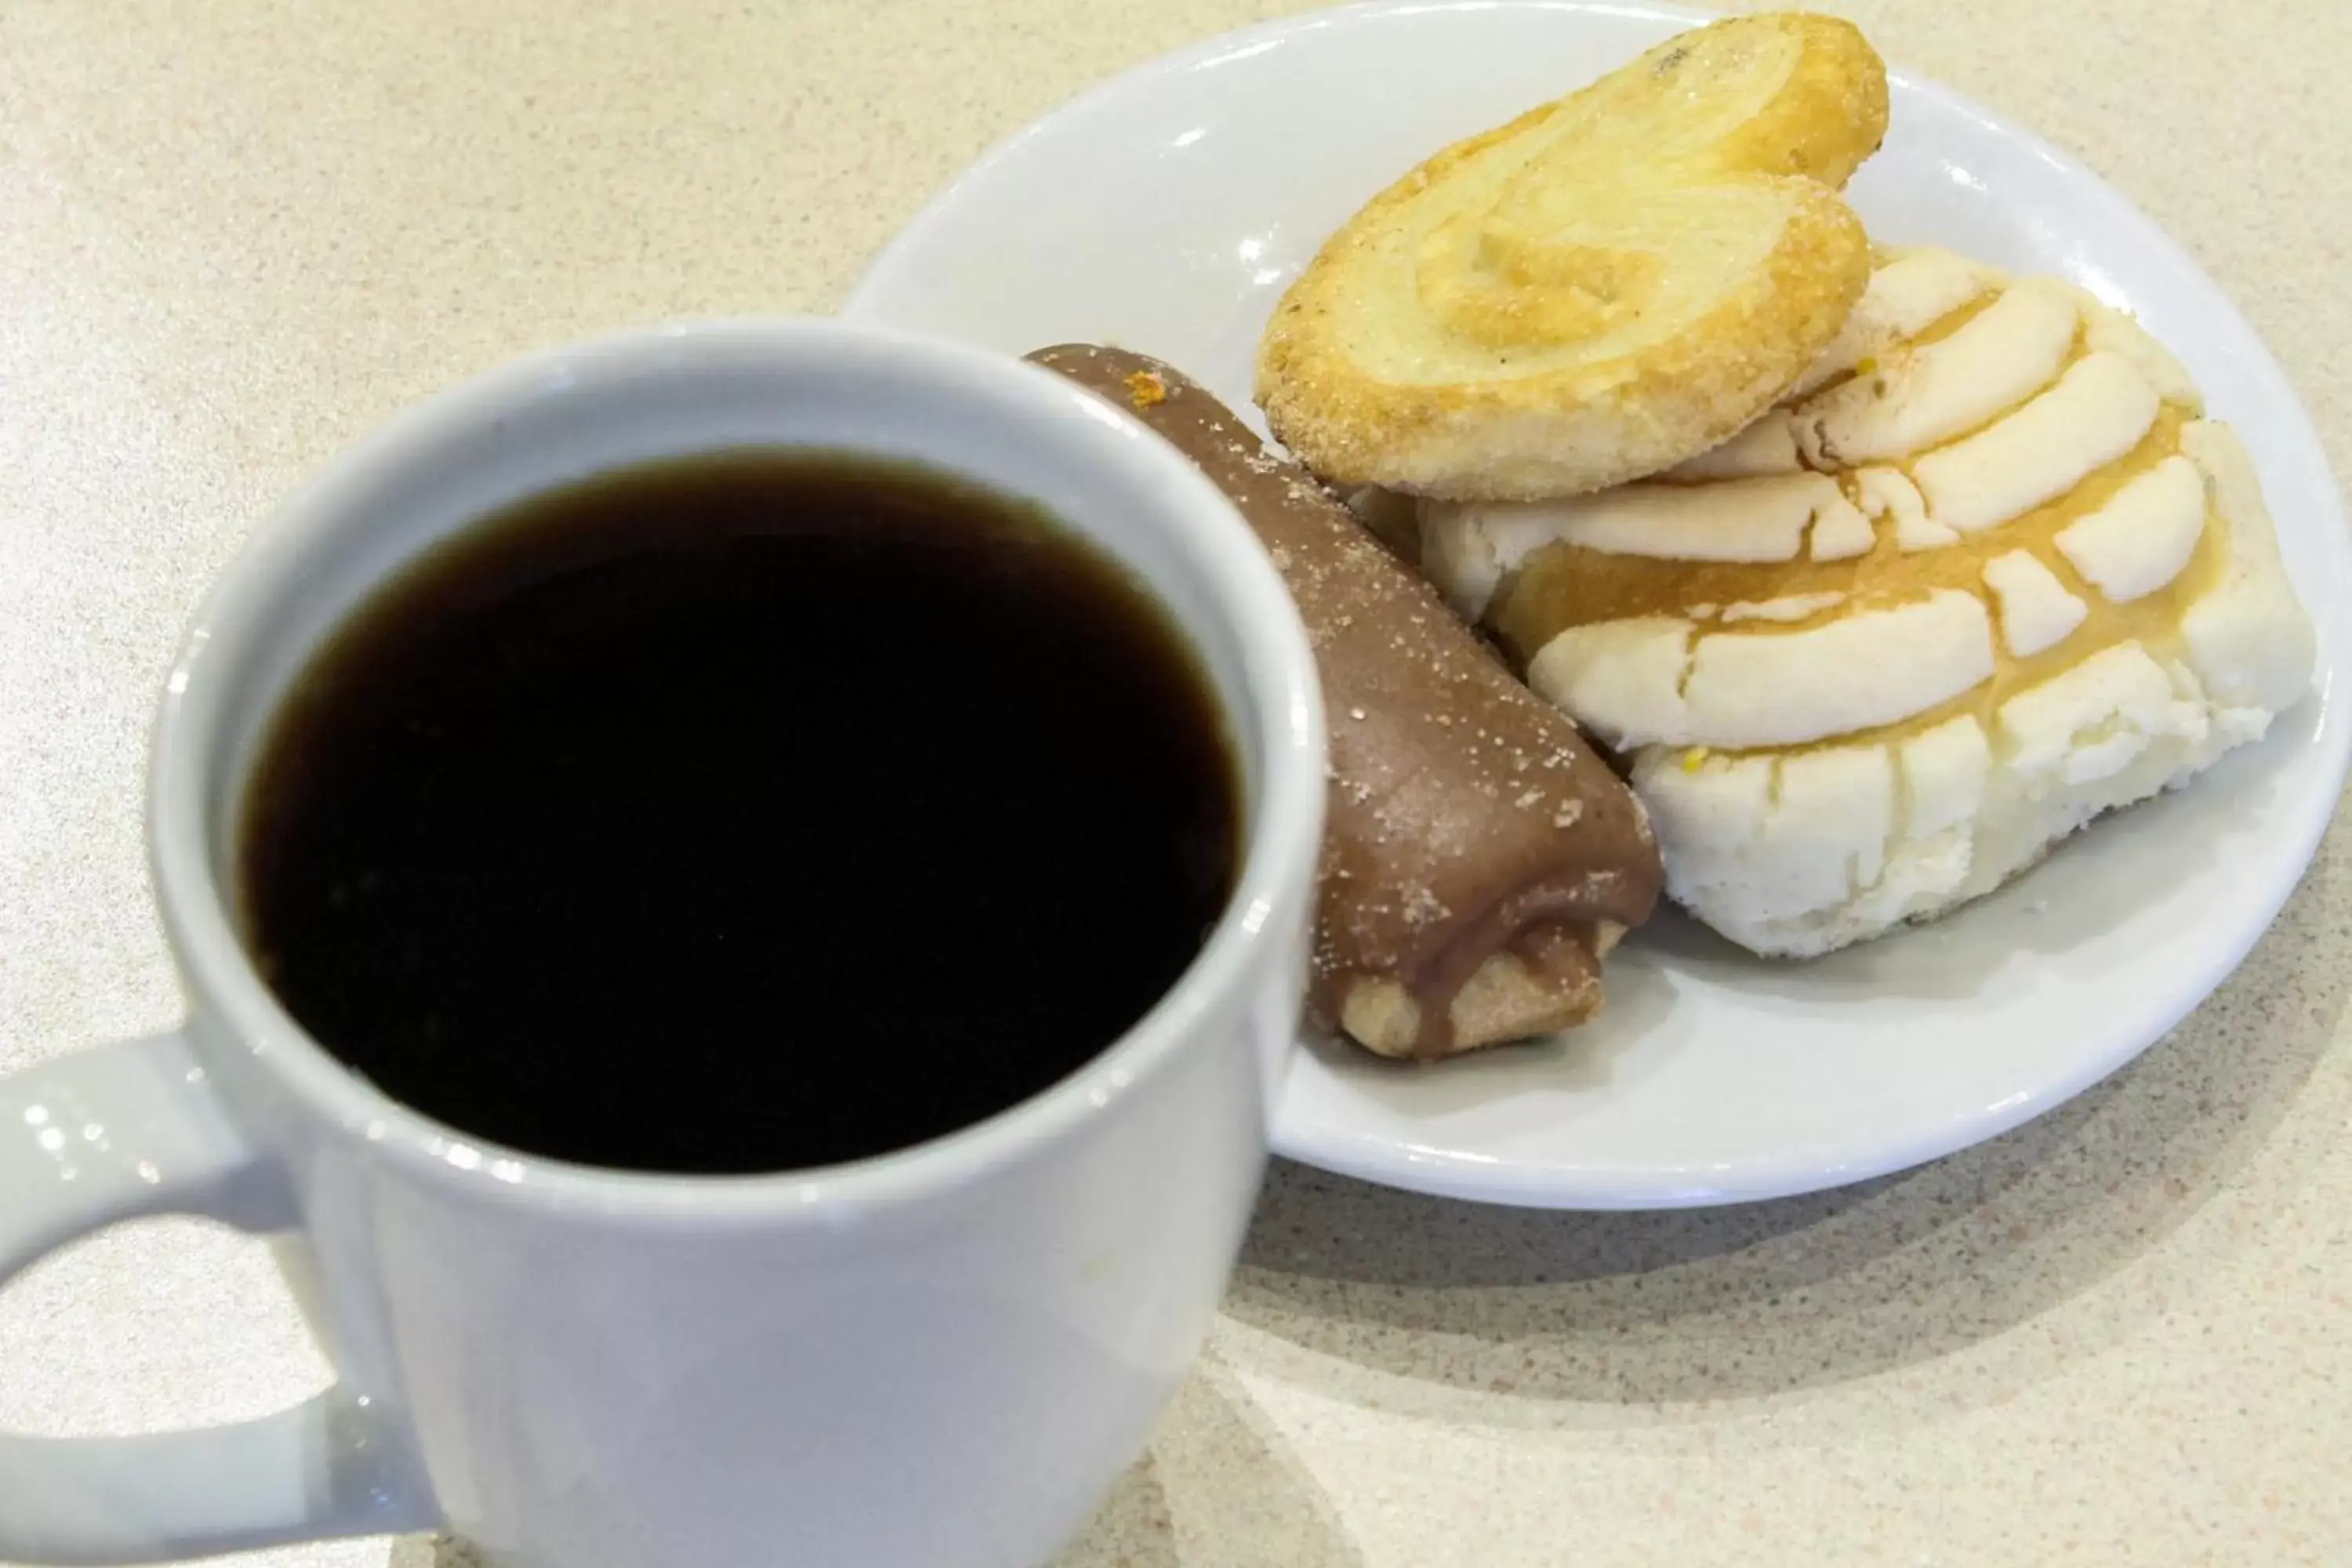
(1599,288)
(1989,575)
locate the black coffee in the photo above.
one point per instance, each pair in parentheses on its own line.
(749,812)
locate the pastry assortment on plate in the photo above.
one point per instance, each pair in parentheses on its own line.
(1876,572)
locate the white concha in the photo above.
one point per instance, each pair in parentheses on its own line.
(1988,574)
(1908,292)
(2005,354)
(1766,446)
(2097,412)
(2143,536)
(2036,610)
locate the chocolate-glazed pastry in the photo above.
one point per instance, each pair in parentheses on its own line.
(1479,860)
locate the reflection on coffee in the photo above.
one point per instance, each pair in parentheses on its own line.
(750,811)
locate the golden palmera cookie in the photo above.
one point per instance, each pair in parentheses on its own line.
(1987,574)
(1598,290)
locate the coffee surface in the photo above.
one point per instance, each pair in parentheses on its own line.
(753,812)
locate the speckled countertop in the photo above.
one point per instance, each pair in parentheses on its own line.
(234,234)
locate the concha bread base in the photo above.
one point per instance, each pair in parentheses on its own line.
(1799,852)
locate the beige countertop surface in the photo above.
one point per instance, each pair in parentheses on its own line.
(235,235)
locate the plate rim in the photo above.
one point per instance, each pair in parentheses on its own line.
(1456,1173)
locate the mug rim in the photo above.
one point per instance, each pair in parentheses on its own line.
(1278,677)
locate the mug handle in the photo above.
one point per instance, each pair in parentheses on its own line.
(129,1129)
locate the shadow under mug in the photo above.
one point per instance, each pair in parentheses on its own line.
(940,1356)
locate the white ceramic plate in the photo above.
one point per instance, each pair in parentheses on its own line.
(1166,211)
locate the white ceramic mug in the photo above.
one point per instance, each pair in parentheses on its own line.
(936,1357)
